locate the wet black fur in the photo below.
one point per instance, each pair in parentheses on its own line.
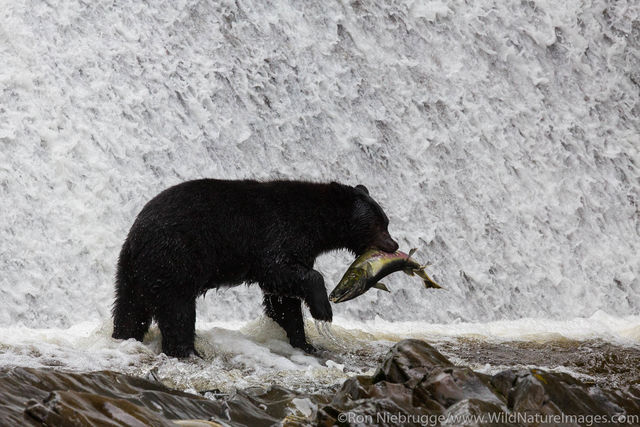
(208,233)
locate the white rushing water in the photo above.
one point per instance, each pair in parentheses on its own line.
(256,353)
(500,137)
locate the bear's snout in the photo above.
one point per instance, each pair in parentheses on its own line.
(386,243)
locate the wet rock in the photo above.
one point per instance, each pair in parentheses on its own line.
(450,385)
(43,396)
(363,413)
(608,365)
(397,393)
(22,384)
(197,423)
(354,389)
(503,382)
(415,380)
(470,409)
(68,408)
(415,385)
(258,407)
(529,397)
(409,360)
(558,393)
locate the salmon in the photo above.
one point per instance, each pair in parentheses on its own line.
(366,271)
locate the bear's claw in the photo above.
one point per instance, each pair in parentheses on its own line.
(320,308)
(306,347)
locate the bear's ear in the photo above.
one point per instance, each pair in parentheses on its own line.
(363,189)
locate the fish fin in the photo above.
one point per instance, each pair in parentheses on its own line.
(412,251)
(381,286)
(409,271)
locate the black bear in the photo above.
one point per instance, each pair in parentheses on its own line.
(210,233)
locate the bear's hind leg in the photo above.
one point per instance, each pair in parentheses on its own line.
(287,312)
(177,323)
(131,316)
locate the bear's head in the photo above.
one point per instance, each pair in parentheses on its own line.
(368,224)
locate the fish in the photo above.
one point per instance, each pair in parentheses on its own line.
(367,269)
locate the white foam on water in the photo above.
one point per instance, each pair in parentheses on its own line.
(234,355)
(240,355)
(599,326)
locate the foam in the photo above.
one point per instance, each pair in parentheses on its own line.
(257,353)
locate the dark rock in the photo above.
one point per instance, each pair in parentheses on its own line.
(450,385)
(69,408)
(470,409)
(456,394)
(354,388)
(44,396)
(409,360)
(529,397)
(397,393)
(503,382)
(19,385)
(414,385)
(556,393)
(267,407)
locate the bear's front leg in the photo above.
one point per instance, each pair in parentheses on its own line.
(287,312)
(297,281)
(316,297)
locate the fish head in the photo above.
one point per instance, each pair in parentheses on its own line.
(352,284)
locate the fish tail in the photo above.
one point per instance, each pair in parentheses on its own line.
(431,284)
(428,282)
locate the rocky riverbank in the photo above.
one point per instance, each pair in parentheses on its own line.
(414,384)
